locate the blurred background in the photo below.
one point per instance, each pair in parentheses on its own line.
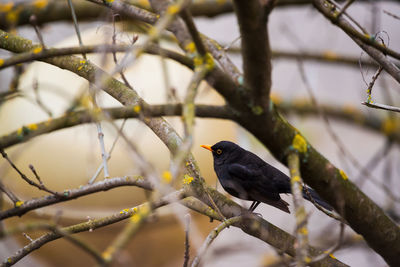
(68,158)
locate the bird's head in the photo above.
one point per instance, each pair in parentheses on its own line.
(223,151)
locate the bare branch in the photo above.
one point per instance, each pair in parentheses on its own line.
(255,52)
(301,233)
(212,236)
(48,200)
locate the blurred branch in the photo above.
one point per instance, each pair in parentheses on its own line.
(188,19)
(186,256)
(253,225)
(391,14)
(203,64)
(301,232)
(74,118)
(141,213)
(51,226)
(368,43)
(329,13)
(76,26)
(211,237)
(258,227)
(113,87)
(221,57)
(345,6)
(80,244)
(327,57)
(56,10)
(81,227)
(389,127)
(39,54)
(216,77)
(70,194)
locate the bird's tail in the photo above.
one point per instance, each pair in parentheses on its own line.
(311,195)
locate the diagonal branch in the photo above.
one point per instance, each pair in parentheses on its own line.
(368,43)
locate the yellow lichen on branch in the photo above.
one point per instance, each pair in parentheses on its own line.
(299,143)
(18,204)
(166,177)
(39,4)
(187,179)
(343,175)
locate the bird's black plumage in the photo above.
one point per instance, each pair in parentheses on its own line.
(246,176)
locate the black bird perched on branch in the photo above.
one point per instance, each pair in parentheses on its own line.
(246,176)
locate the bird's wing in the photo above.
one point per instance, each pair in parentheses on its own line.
(280,180)
(254,182)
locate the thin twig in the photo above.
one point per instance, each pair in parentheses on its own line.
(36,174)
(104,154)
(133,52)
(374,162)
(351,31)
(186,256)
(211,237)
(381,106)
(140,215)
(75,20)
(329,253)
(33,21)
(391,14)
(81,227)
(345,6)
(39,100)
(187,17)
(100,168)
(76,193)
(114,39)
(342,148)
(301,232)
(25,178)
(371,84)
(9,193)
(370,103)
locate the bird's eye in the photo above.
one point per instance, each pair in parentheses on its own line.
(219,151)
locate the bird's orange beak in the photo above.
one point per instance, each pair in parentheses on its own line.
(207,147)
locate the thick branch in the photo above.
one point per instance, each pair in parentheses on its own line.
(256,52)
(362,214)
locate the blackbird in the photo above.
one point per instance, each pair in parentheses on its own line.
(246,176)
